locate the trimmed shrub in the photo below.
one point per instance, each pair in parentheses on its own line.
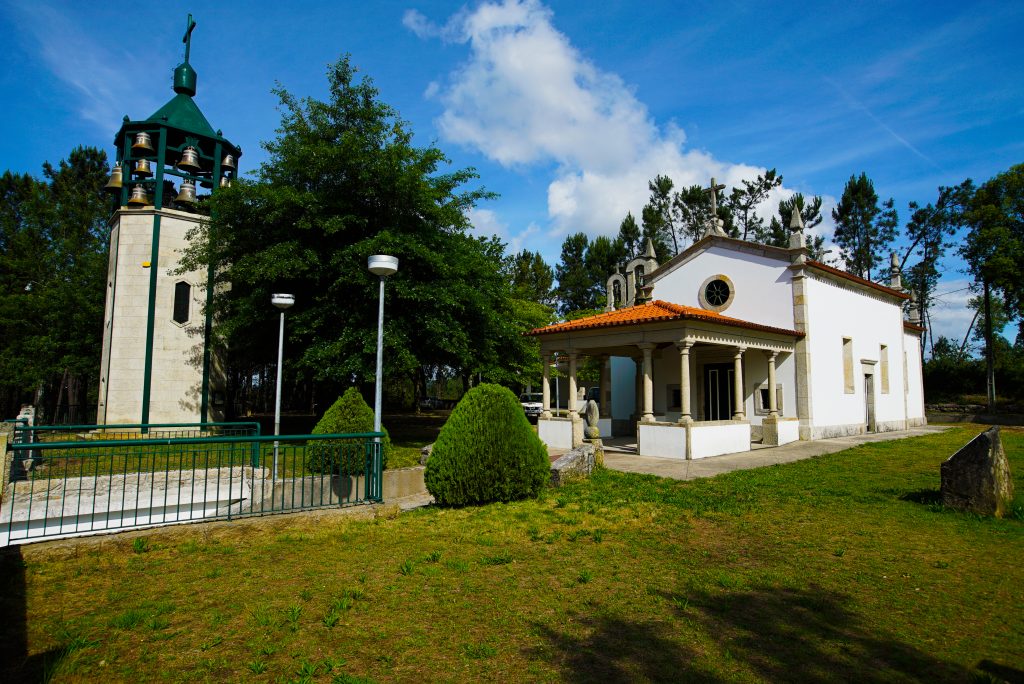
(348,415)
(487,451)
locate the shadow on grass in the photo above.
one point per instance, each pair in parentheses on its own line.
(926,497)
(806,635)
(15,663)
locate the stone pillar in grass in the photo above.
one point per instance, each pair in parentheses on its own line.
(977,478)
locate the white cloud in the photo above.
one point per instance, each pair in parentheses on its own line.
(525,96)
(486,223)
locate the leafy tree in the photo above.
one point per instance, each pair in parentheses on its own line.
(994,251)
(342,182)
(603,255)
(487,451)
(575,285)
(692,206)
(53,266)
(743,203)
(660,216)
(864,230)
(630,237)
(532,278)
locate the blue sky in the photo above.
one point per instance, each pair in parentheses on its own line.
(566,109)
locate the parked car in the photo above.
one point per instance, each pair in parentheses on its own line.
(532,404)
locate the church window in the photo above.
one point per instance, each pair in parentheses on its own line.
(638,275)
(762,405)
(716,292)
(848,386)
(883,362)
(182,302)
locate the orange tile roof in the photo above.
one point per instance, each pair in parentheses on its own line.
(857,279)
(655,312)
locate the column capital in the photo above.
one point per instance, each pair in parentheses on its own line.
(771,354)
(740,351)
(646,346)
(685,344)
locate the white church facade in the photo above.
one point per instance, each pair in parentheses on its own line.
(733,342)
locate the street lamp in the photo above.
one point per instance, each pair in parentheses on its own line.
(282,302)
(380,265)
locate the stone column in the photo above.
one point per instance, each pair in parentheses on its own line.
(572,385)
(606,386)
(546,386)
(684,381)
(773,402)
(738,413)
(648,406)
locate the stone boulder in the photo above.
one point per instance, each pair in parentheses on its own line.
(425,453)
(977,478)
(576,464)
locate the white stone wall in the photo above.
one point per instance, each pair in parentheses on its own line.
(177,349)
(719,437)
(663,441)
(837,311)
(556,433)
(762,285)
(915,388)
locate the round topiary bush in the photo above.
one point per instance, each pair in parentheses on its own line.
(487,451)
(350,414)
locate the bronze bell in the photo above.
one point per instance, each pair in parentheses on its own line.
(189,160)
(225,182)
(114,184)
(142,168)
(229,161)
(139,197)
(187,195)
(143,143)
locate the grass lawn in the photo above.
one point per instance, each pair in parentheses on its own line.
(838,568)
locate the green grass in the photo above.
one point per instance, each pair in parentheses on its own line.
(840,568)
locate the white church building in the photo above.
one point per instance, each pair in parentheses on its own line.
(731,343)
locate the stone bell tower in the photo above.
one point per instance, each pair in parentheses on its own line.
(157,364)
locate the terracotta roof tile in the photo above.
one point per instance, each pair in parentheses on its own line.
(654,312)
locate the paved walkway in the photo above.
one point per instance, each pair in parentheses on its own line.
(745,460)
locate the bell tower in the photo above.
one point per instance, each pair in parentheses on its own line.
(157,364)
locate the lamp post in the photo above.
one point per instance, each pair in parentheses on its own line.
(380,265)
(282,302)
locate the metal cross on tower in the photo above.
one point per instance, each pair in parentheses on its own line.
(187,38)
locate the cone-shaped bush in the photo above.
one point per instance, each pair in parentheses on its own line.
(350,414)
(487,451)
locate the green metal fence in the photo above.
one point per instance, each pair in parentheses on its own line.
(83,485)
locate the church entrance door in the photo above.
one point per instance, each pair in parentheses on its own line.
(718,384)
(869,402)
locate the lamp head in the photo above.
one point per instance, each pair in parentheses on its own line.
(382,265)
(282,301)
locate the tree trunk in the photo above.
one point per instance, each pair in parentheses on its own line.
(990,352)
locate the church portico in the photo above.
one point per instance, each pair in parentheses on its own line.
(692,385)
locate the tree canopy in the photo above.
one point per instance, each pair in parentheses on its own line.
(53,266)
(343,181)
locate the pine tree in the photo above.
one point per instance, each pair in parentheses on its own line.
(630,237)
(864,230)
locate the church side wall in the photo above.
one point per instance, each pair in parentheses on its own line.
(762,285)
(915,384)
(838,378)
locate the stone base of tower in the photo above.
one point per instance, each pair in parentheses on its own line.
(175,362)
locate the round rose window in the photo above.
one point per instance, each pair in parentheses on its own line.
(716,293)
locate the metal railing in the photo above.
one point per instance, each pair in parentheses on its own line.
(71,488)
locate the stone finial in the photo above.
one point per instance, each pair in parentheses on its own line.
(895,282)
(913,311)
(796,221)
(797,239)
(649,252)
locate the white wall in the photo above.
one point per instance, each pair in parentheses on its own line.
(664,441)
(836,312)
(763,285)
(556,433)
(915,387)
(719,437)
